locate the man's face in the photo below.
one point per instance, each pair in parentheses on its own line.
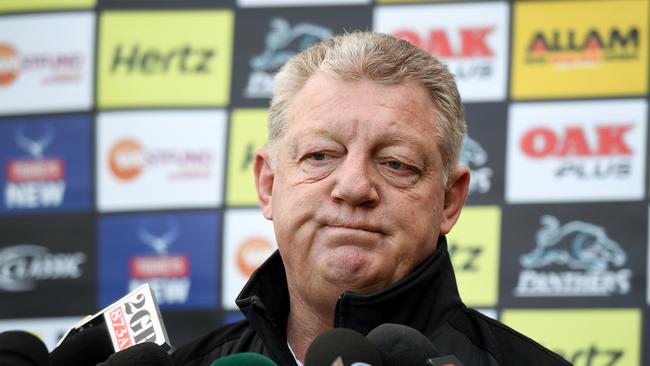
(355,186)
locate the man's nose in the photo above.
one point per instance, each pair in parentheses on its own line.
(356,182)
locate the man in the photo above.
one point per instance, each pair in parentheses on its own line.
(360,179)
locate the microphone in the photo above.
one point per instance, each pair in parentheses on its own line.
(342,347)
(142,354)
(402,345)
(244,359)
(131,320)
(19,348)
(89,347)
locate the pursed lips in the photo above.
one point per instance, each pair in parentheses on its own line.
(360,227)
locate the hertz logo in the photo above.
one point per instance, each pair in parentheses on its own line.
(184,60)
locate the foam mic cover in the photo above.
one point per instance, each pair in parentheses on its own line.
(142,354)
(402,345)
(89,347)
(18,348)
(244,359)
(342,347)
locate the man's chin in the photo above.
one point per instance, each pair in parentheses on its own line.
(352,269)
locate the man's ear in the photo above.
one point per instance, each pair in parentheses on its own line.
(264,176)
(455,195)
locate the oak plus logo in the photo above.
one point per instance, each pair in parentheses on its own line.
(281,43)
(53,67)
(24,266)
(573,48)
(37,181)
(606,140)
(576,151)
(459,35)
(167,274)
(471,44)
(475,158)
(573,259)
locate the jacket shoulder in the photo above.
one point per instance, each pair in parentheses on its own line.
(504,343)
(225,340)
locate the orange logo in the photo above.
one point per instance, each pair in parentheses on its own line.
(9,65)
(252,253)
(127,159)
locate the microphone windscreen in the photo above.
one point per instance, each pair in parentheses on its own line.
(244,359)
(402,345)
(19,348)
(341,347)
(89,347)
(142,354)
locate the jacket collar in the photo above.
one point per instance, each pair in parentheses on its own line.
(422,300)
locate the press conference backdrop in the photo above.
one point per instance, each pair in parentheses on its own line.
(128,130)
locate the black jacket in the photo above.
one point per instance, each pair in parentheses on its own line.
(427,300)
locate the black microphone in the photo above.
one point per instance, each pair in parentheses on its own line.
(342,347)
(402,345)
(89,347)
(142,354)
(18,348)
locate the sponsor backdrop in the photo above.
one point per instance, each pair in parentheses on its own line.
(128,131)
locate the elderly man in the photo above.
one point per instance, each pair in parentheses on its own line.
(360,179)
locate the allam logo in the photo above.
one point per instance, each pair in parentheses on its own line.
(579,48)
(282,42)
(38,181)
(576,48)
(574,259)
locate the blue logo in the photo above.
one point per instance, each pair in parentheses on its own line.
(45,164)
(176,254)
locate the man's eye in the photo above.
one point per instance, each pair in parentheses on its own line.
(395,165)
(318,156)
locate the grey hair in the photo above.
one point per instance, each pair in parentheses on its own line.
(381,58)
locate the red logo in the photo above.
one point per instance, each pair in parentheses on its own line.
(159,267)
(118,322)
(473,42)
(38,170)
(542,142)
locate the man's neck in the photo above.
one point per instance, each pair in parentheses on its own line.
(305,323)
